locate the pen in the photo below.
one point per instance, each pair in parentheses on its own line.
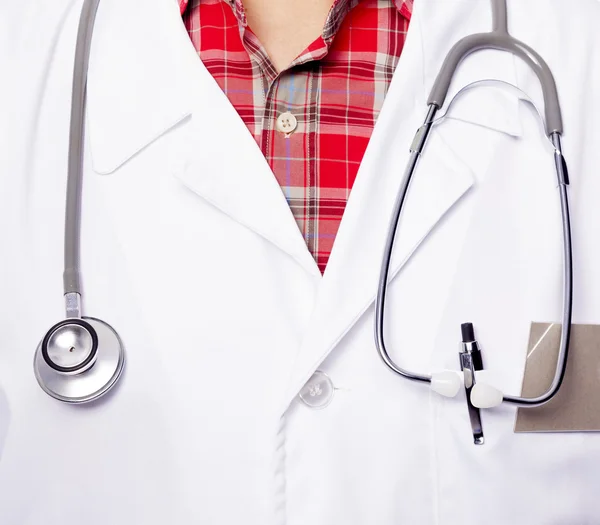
(470,362)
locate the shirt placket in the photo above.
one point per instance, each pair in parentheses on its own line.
(290,152)
(297,87)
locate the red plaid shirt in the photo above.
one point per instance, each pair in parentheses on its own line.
(333,90)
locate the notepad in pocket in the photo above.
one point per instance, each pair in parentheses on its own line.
(576,407)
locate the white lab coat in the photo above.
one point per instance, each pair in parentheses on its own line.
(191,252)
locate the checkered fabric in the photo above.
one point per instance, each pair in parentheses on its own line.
(334,88)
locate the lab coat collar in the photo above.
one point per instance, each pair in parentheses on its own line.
(138,80)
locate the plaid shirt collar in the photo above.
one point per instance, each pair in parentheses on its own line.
(316,50)
(336,16)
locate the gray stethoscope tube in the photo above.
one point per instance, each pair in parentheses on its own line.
(448,383)
(80,358)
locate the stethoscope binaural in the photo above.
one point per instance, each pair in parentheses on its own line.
(81,358)
(447,382)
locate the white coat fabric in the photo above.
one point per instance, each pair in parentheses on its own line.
(191,252)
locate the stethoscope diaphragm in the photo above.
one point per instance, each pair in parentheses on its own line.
(79,360)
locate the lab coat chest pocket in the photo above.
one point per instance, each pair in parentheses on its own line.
(508,275)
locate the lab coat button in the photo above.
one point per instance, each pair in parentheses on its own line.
(286,122)
(318,391)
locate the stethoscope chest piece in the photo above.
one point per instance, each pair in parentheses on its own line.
(79,360)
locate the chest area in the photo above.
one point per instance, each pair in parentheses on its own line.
(313,113)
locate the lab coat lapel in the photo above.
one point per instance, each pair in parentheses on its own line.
(230,172)
(138,79)
(145,78)
(442,178)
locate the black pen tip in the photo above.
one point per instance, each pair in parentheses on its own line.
(468,335)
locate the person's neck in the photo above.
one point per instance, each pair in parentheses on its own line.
(286,27)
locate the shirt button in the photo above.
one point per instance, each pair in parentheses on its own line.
(318,391)
(286,122)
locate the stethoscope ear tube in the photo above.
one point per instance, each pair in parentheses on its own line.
(442,384)
(567,256)
(487,396)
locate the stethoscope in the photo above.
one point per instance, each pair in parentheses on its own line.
(81,358)
(447,382)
